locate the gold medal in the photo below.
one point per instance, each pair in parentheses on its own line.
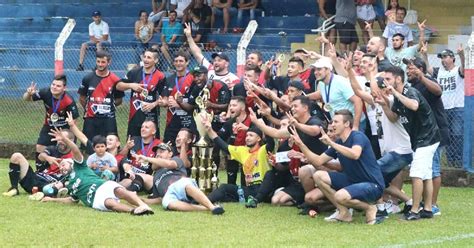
(54,117)
(145,93)
(327,107)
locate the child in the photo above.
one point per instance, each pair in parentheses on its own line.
(102,162)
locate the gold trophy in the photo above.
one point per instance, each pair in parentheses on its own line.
(202,149)
(214,179)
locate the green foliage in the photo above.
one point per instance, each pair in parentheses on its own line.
(27,223)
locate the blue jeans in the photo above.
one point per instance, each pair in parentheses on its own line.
(392,163)
(437,162)
(456,134)
(240,14)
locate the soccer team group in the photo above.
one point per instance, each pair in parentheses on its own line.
(334,135)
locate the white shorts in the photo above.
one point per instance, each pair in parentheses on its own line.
(366,12)
(104,192)
(422,164)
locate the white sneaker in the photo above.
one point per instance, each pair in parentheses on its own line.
(333,217)
(392,208)
(62,193)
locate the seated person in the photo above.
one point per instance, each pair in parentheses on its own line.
(244,5)
(99,37)
(158,11)
(199,28)
(171,35)
(91,190)
(102,162)
(170,186)
(21,172)
(224,8)
(144,29)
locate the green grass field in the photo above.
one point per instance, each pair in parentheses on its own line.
(27,223)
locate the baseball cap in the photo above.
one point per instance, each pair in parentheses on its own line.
(255,129)
(296,84)
(96,13)
(162,146)
(416,61)
(323,63)
(221,55)
(199,70)
(446,52)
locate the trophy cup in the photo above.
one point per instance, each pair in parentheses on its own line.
(214,179)
(202,150)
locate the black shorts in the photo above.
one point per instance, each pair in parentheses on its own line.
(296,191)
(347,32)
(44,138)
(32,179)
(99,126)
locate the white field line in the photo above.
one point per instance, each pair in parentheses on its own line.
(432,241)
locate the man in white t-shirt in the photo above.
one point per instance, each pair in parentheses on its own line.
(398,27)
(451,79)
(98,36)
(219,69)
(180,6)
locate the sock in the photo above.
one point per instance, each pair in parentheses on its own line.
(38,162)
(409,202)
(380,207)
(14,174)
(137,184)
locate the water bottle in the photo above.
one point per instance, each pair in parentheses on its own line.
(240,192)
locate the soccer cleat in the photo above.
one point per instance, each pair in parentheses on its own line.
(251,202)
(426,214)
(62,193)
(392,208)
(38,196)
(412,216)
(435,209)
(333,217)
(142,210)
(218,210)
(381,214)
(11,192)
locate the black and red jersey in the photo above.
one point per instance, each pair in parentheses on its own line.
(101,94)
(61,106)
(141,148)
(155,86)
(175,84)
(52,169)
(218,94)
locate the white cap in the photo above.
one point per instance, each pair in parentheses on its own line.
(323,63)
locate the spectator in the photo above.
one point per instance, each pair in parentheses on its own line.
(199,28)
(244,5)
(224,8)
(201,9)
(451,79)
(327,8)
(377,47)
(143,29)
(345,20)
(365,16)
(159,10)
(392,11)
(171,35)
(380,13)
(398,27)
(181,7)
(98,36)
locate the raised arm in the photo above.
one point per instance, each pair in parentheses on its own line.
(314,159)
(75,130)
(157,163)
(28,95)
(60,136)
(195,50)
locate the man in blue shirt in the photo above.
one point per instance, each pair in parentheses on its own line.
(360,184)
(171,34)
